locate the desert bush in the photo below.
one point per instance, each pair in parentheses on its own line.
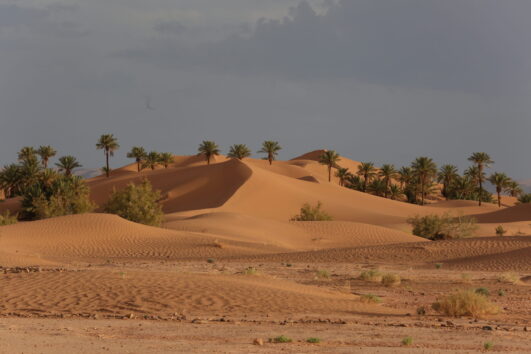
(7,219)
(323,274)
(390,279)
(211,260)
(509,278)
(421,311)
(371,275)
(250,271)
(280,339)
(465,303)
(500,231)
(64,195)
(313,340)
(501,292)
(482,291)
(524,198)
(138,203)
(441,227)
(312,213)
(370,299)
(488,345)
(438,265)
(407,341)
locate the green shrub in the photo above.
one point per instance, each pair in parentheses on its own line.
(371,275)
(488,345)
(421,311)
(441,227)
(138,203)
(524,198)
(438,265)
(310,213)
(281,339)
(465,303)
(370,299)
(482,291)
(500,231)
(7,219)
(501,292)
(313,340)
(407,341)
(211,260)
(390,279)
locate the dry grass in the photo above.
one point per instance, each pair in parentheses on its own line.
(390,279)
(465,303)
(371,275)
(509,278)
(370,299)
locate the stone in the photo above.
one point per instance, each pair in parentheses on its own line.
(258,341)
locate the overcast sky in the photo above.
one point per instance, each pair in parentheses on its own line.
(376,80)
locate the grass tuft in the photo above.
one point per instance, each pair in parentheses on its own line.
(250,271)
(323,274)
(371,275)
(390,279)
(370,299)
(313,340)
(482,291)
(280,339)
(407,341)
(511,278)
(465,303)
(488,345)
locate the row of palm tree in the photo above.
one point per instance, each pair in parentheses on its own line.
(210,149)
(151,159)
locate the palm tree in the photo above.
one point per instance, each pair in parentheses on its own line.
(501,181)
(377,187)
(239,151)
(514,189)
(109,144)
(139,154)
(405,175)
(343,174)
(27,153)
(482,160)
(395,191)
(447,175)
(152,159)
(367,171)
(67,163)
(271,148)
(46,152)
(209,149)
(10,180)
(387,173)
(329,158)
(425,169)
(354,182)
(166,158)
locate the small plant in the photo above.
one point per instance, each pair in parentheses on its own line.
(211,260)
(218,244)
(371,275)
(310,213)
(323,274)
(313,340)
(407,341)
(443,227)
(280,339)
(438,265)
(250,271)
(289,265)
(421,311)
(465,303)
(390,279)
(500,231)
(488,345)
(482,291)
(501,292)
(7,219)
(370,299)
(509,278)
(466,278)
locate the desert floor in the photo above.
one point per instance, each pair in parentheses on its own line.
(228,268)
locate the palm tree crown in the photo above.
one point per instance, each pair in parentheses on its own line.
(67,163)
(139,154)
(425,169)
(27,153)
(447,175)
(367,171)
(482,160)
(501,182)
(166,158)
(46,152)
(109,144)
(387,173)
(343,174)
(271,148)
(330,158)
(152,160)
(239,151)
(209,149)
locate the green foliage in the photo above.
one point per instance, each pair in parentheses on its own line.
(524,198)
(211,260)
(511,278)
(138,203)
(7,219)
(438,265)
(309,213)
(313,340)
(139,154)
(407,341)
(151,160)
(440,227)
(370,299)
(501,292)
(239,151)
(465,303)
(281,339)
(329,158)
(421,311)
(67,164)
(56,196)
(166,158)
(488,345)
(209,149)
(482,291)
(500,231)
(271,148)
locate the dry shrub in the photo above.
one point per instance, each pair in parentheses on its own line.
(7,219)
(370,299)
(312,213)
(371,275)
(465,303)
(390,279)
(509,278)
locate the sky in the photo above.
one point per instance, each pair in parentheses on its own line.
(376,80)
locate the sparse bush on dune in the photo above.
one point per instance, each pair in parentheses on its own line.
(390,279)
(509,278)
(280,339)
(323,274)
(500,231)
(442,227)
(7,219)
(138,203)
(371,275)
(312,213)
(370,299)
(465,303)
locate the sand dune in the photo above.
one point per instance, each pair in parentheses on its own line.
(521,212)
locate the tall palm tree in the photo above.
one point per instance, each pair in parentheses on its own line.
(330,158)
(67,163)
(139,154)
(152,159)
(209,149)
(271,148)
(514,189)
(387,173)
(239,151)
(447,175)
(500,181)
(166,158)
(367,171)
(343,174)
(109,144)
(425,169)
(27,153)
(46,152)
(482,160)
(405,175)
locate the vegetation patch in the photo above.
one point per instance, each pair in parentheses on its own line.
(370,299)
(280,339)
(323,274)
(7,219)
(407,341)
(313,340)
(312,213)
(465,303)
(390,279)
(511,278)
(482,291)
(488,345)
(250,271)
(372,275)
(443,227)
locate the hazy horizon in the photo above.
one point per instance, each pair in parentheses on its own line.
(375,80)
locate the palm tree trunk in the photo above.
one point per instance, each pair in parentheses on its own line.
(421,191)
(138,165)
(386,188)
(107,162)
(499,199)
(208,159)
(329,173)
(270,158)
(480,185)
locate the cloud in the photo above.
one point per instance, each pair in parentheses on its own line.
(171,27)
